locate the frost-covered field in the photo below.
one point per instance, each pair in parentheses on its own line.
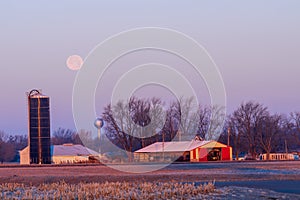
(107,190)
(258,180)
(137,190)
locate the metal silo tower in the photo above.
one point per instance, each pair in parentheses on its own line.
(39,128)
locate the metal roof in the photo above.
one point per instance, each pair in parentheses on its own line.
(36,94)
(173,146)
(72,150)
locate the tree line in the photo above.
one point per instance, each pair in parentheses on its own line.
(251,128)
(137,123)
(10,145)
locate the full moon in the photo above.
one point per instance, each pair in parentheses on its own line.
(74,62)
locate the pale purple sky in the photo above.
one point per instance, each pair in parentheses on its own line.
(255,44)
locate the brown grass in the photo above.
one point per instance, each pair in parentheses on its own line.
(107,190)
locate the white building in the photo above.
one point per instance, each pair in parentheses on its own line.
(278,156)
(64,154)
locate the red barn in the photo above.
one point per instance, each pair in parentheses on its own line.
(193,151)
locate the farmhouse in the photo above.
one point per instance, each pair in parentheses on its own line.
(193,151)
(64,154)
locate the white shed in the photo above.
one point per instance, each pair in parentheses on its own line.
(63,154)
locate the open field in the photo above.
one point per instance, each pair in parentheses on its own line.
(193,172)
(281,176)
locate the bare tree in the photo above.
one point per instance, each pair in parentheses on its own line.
(270,127)
(248,118)
(211,120)
(172,122)
(238,144)
(144,121)
(204,113)
(20,141)
(3,136)
(158,116)
(189,117)
(216,122)
(137,123)
(122,123)
(294,126)
(149,115)
(62,136)
(7,149)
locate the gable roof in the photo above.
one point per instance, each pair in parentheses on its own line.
(179,146)
(214,144)
(66,150)
(72,150)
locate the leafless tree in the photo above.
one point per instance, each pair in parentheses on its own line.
(118,126)
(248,118)
(217,119)
(149,115)
(172,122)
(133,121)
(204,113)
(189,118)
(20,141)
(7,149)
(210,121)
(145,121)
(62,136)
(3,136)
(270,126)
(235,133)
(158,116)
(204,121)
(294,126)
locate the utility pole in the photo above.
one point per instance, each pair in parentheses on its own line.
(163,145)
(228,136)
(179,135)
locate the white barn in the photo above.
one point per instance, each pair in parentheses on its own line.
(63,154)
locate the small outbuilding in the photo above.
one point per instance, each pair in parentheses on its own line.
(193,151)
(64,154)
(71,153)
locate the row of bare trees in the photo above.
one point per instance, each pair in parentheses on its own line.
(255,130)
(251,128)
(10,145)
(136,123)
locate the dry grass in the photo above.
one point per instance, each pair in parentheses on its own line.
(107,190)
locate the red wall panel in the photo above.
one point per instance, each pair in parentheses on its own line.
(226,153)
(202,154)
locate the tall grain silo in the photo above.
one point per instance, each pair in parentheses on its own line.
(39,128)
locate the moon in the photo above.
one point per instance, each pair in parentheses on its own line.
(74,62)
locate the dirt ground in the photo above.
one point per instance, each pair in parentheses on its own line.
(187,172)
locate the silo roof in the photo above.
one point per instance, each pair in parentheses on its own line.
(36,94)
